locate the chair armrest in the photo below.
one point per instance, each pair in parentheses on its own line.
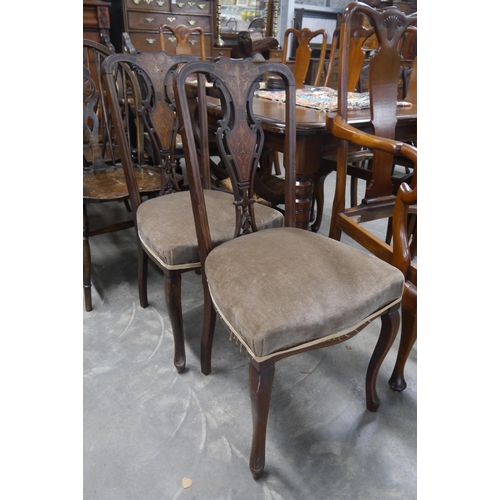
(406,196)
(343,130)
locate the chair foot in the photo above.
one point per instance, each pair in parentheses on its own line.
(172,285)
(397,382)
(207,334)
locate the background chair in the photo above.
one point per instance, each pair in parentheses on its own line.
(180,39)
(316,305)
(269,186)
(103,179)
(362,42)
(385,69)
(357,158)
(164,225)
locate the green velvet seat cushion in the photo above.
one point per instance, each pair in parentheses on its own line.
(166,225)
(284,287)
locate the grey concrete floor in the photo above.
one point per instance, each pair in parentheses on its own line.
(147,428)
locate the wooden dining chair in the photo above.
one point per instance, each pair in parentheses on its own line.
(181,40)
(165,228)
(303,53)
(357,158)
(328,291)
(103,178)
(390,24)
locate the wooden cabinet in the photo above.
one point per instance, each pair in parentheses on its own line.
(143,18)
(96,23)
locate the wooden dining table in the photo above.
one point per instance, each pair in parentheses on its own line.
(314,139)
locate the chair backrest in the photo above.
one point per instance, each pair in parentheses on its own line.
(97,133)
(142,107)
(181,37)
(389,25)
(359,35)
(304,52)
(239,136)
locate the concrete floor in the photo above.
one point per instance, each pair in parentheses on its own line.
(147,428)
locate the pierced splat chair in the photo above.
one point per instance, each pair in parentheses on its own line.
(328,291)
(103,178)
(165,229)
(390,25)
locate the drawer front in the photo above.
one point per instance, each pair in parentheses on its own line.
(195,7)
(159,5)
(153,21)
(276,55)
(220,52)
(150,42)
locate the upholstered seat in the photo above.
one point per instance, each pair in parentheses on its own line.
(166,226)
(356,284)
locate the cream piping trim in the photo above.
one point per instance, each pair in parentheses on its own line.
(192,265)
(311,343)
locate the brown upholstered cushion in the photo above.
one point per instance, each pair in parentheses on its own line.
(282,287)
(166,225)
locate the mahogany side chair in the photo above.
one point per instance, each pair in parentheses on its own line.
(165,228)
(180,41)
(358,158)
(303,53)
(103,178)
(329,291)
(270,187)
(390,24)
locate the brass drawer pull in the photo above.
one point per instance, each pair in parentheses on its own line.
(149,19)
(151,40)
(137,2)
(171,39)
(171,19)
(192,42)
(148,1)
(161,3)
(191,4)
(201,5)
(181,5)
(191,23)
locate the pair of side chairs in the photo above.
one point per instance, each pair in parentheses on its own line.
(328,290)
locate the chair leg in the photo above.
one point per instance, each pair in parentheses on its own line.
(172,285)
(319,201)
(260,385)
(397,381)
(87,285)
(207,334)
(388,332)
(142,275)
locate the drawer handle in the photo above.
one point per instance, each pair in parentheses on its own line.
(137,2)
(201,5)
(171,19)
(191,23)
(148,1)
(181,5)
(149,19)
(161,3)
(192,42)
(191,4)
(171,39)
(151,40)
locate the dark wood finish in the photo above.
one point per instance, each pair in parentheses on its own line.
(143,19)
(380,201)
(146,79)
(240,130)
(96,22)
(103,178)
